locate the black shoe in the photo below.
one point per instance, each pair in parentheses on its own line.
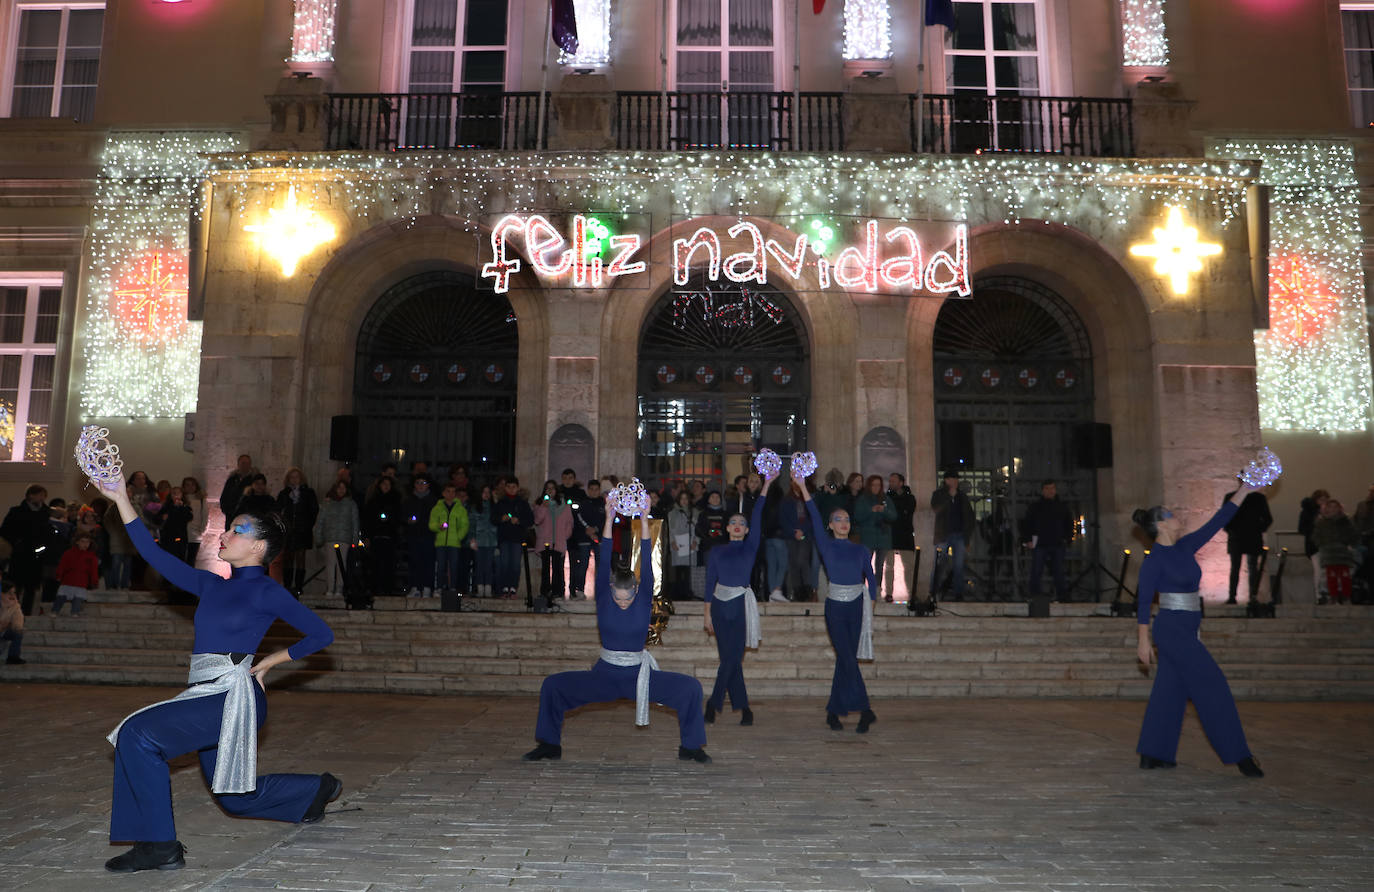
(866,718)
(1231,600)
(1151,762)
(833,721)
(697,755)
(15,661)
(1249,767)
(748,717)
(710,714)
(330,788)
(149,856)
(544,751)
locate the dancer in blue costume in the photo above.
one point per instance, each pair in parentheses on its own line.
(219,714)
(1186,670)
(848,615)
(626,669)
(732,610)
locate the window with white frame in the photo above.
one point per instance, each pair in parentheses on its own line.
(726,45)
(996,48)
(55,53)
(29,310)
(457,46)
(1357,26)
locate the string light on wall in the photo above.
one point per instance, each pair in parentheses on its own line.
(867,29)
(144,196)
(1312,364)
(1144,40)
(312,30)
(593,35)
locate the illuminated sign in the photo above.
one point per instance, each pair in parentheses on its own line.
(889,259)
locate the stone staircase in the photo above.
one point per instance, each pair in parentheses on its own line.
(495,646)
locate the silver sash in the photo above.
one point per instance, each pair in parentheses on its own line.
(752,633)
(1180,601)
(236,763)
(849,593)
(646,663)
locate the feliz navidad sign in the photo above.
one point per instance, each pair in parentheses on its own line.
(885,257)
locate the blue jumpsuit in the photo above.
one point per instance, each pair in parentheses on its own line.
(846,563)
(731,564)
(1186,671)
(232,617)
(622,630)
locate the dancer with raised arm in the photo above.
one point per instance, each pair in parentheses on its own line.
(848,615)
(732,610)
(626,670)
(219,714)
(1186,671)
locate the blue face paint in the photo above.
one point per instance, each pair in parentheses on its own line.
(1165,514)
(243,529)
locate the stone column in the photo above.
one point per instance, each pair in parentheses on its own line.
(582,113)
(297,118)
(876,116)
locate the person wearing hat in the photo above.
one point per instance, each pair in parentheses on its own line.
(953,526)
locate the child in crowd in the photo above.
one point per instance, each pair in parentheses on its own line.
(77,573)
(448,521)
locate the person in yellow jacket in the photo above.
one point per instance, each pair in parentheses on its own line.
(448,520)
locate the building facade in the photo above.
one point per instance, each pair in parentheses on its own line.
(1120,248)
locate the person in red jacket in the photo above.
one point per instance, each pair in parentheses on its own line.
(77,573)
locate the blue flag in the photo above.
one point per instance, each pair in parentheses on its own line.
(940,12)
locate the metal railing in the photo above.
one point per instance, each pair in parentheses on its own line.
(393,121)
(742,120)
(965,123)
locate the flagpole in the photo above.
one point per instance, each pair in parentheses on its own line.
(544,74)
(796,73)
(663,112)
(919,112)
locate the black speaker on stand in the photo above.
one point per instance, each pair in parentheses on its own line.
(343,438)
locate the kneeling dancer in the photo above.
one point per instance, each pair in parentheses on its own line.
(848,614)
(1186,670)
(219,714)
(626,670)
(732,610)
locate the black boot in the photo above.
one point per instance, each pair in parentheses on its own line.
(1249,767)
(149,856)
(544,751)
(330,788)
(696,755)
(833,721)
(710,714)
(866,718)
(748,717)
(1151,762)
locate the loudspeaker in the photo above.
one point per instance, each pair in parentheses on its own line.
(343,438)
(956,444)
(1092,445)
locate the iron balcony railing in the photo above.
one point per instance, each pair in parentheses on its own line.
(391,121)
(965,123)
(737,120)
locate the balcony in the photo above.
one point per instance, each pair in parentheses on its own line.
(742,121)
(384,122)
(963,124)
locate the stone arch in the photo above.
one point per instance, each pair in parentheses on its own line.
(362,271)
(572,446)
(1113,308)
(882,452)
(831,325)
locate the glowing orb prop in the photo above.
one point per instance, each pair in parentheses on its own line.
(768,463)
(98,458)
(1263,471)
(630,499)
(804,464)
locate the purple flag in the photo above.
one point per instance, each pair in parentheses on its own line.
(940,12)
(565,26)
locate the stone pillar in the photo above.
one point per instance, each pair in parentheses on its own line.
(296,115)
(876,116)
(582,113)
(1162,121)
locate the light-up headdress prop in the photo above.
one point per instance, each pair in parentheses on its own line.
(630,499)
(804,464)
(1263,470)
(768,463)
(98,458)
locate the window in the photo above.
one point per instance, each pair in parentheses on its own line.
(457,46)
(28,353)
(725,59)
(56,53)
(995,48)
(1357,25)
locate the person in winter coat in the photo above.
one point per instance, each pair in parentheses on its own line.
(553,523)
(193,494)
(682,546)
(1337,540)
(336,529)
(483,543)
(380,521)
(256,499)
(299,509)
(1245,538)
(1048,529)
(419,540)
(903,534)
(954,523)
(29,531)
(512,517)
(448,521)
(77,573)
(874,514)
(1311,509)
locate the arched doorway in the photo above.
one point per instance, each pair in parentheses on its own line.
(436,376)
(1013,384)
(723,371)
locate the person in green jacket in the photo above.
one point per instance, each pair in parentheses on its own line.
(448,520)
(874,514)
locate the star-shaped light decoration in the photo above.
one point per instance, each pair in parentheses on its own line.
(292,232)
(150,298)
(1176,250)
(1299,303)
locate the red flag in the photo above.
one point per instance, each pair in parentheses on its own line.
(817,6)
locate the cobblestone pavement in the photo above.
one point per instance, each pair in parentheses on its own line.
(940,795)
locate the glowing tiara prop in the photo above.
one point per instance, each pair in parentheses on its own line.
(1263,470)
(98,458)
(804,464)
(630,499)
(768,463)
